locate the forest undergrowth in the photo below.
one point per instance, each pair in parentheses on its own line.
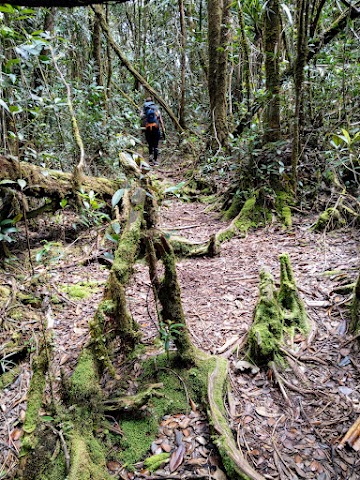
(288,422)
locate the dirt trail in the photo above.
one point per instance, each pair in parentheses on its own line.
(294,438)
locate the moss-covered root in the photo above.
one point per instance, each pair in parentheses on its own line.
(169,296)
(30,443)
(36,390)
(85,390)
(266,332)
(251,215)
(355,309)
(235,464)
(120,322)
(88,459)
(289,299)
(330,219)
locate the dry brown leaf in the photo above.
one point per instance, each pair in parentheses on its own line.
(177,457)
(113,466)
(196,461)
(16,434)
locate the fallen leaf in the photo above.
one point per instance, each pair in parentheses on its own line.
(265,413)
(177,457)
(16,434)
(113,466)
(218,474)
(196,461)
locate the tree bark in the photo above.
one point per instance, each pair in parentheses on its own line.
(301,52)
(218,16)
(272,51)
(183,63)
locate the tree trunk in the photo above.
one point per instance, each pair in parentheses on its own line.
(183,63)
(218,17)
(272,52)
(301,54)
(96,52)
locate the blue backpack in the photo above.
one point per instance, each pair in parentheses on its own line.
(151,118)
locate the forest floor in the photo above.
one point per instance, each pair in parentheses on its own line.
(288,434)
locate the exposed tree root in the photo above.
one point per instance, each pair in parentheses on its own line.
(235,464)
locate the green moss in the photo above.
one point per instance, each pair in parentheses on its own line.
(126,252)
(139,433)
(8,377)
(331,218)
(245,219)
(80,290)
(292,306)
(155,461)
(35,394)
(88,461)
(267,328)
(99,346)
(227,234)
(85,389)
(235,207)
(282,203)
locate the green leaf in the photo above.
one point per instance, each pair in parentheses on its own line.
(116,227)
(47,418)
(112,238)
(63,203)
(346,136)
(117,196)
(15,109)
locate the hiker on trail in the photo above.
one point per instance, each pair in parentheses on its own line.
(152,122)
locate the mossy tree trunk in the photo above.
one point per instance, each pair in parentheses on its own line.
(272,52)
(42,183)
(218,18)
(300,61)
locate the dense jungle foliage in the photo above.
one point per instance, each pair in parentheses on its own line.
(300,67)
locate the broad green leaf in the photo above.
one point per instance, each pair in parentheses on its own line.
(346,136)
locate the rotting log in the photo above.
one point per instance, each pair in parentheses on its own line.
(43,183)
